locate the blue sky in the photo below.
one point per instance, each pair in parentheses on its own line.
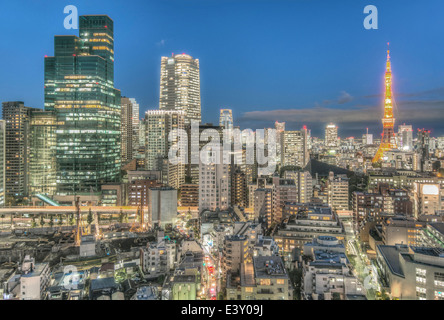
(300,61)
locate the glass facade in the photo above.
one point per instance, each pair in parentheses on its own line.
(79,88)
(42,159)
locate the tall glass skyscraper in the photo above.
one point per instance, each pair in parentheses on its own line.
(226,119)
(79,88)
(180,86)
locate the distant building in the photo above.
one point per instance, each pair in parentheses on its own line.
(331,136)
(295,148)
(405,137)
(226,119)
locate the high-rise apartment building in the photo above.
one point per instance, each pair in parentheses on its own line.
(304,185)
(331,136)
(239,189)
(284,190)
(2,161)
(405,137)
(159,124)
(226,119)
(17,118)
(338,195)
(180,86)
(294,148)
(127,129)
(214,181)
(263,205)
(79,87)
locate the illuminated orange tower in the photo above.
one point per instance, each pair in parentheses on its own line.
(388,140)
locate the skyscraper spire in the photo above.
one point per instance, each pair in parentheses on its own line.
(388,140)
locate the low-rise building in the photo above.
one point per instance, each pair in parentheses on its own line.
(412,273)
(265,278)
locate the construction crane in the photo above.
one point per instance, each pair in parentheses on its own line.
(78,223)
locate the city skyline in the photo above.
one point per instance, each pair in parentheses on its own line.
(261,91)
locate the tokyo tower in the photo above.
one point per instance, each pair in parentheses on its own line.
(388,140)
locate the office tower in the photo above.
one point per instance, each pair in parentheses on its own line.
(136,126)
(42,159)
(338,195)
(2,161)
(17,118)
(79,87)
(405,137)
(159,125)
(127,130)
(142,133)
(180,86)
(331,136)
(280,128)
(214,180)
(162,206)
(422,146)
(388,140)
(367,138)
(294,148)
(226,119)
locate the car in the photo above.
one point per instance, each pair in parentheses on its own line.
(213,297)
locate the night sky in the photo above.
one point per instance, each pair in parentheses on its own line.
(306,62)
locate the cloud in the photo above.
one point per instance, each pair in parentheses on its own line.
(417,110)
(161,43)
(343,98)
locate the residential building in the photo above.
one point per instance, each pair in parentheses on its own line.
(180,86)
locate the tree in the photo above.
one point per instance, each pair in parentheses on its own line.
(33,224)
(51,221)
(60,222)
(42,221)
(89,218)
(121,216)
(336,296)
(71,219)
